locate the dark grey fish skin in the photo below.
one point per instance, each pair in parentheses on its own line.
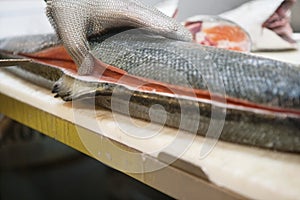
(247,77)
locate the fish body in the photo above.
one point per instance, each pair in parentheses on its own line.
(259,97)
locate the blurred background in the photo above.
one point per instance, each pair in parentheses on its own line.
(33,166)
(28,15)
(36,167)
(189,8)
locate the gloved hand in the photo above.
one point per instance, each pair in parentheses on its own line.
(76,20)
(279,22)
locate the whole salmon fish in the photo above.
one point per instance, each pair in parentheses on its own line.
(260,96)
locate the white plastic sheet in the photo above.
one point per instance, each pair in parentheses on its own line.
(22,18)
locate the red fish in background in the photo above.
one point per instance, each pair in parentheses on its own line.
(211,30)
(269,28)
(218,32)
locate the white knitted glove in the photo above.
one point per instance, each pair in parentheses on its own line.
(76,20)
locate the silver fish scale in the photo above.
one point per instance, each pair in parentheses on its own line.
(76,20)
(243,76)
(28,44)
(258,79)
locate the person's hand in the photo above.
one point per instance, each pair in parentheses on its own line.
(279,22)
(76,20)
